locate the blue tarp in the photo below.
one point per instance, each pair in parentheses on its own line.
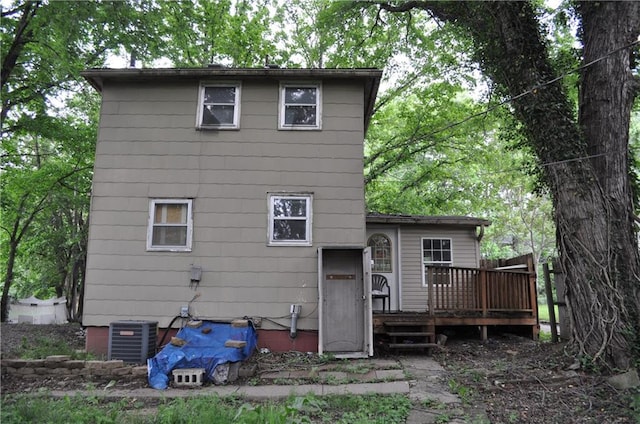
(203,349)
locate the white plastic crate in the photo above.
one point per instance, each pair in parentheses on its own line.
(186,377)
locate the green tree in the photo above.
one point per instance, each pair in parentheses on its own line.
(227,32)
(583,159)
(48,117)
(47,142)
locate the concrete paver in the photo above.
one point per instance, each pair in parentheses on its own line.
(419,377)
(390,375)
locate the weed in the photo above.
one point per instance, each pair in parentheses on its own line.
(476,376)
(313,373)
(500,365)
(513,417)
(356,368)
(433,404)
(463,391)
(327,357)
(330,379)
(375,409)
(442,419)
(589,364)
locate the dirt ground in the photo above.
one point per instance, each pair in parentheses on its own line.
(513,379)
(518,380)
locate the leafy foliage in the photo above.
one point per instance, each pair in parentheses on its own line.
(199,32)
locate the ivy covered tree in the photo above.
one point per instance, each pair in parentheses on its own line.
(582,150)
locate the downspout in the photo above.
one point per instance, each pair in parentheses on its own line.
(295,312)
(479,236)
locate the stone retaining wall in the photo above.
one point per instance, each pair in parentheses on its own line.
(64,366)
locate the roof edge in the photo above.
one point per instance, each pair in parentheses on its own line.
(96,76)
(466,221)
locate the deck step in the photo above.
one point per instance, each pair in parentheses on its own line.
(410,333)
(412,345)
(407,323)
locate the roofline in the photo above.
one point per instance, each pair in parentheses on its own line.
(371,77)
(463,221)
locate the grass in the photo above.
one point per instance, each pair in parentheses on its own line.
(376,409)
(45,346)
(543,312)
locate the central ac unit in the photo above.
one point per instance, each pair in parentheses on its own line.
(132,341)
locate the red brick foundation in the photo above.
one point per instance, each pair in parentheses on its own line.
(279,341)
(97,340)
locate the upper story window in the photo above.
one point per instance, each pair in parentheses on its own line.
(290,219)
(219,106)
(300,106)
(437,252)
(170,225)
(380,252)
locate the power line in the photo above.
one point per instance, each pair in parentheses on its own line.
(512,170)
(533,89)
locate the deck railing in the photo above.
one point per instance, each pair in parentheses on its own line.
(475,290)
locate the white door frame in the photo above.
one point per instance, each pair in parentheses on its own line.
(393,232)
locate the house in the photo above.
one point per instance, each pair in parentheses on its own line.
(402,247)
(224,193)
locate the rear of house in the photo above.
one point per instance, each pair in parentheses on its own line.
(403,246)
(213,190)
(437,279)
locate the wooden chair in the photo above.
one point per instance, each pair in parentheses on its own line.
(380,290)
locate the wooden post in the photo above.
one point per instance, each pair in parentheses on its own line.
(483,291)
(430,291)
(533,295)
(550,303)
(483,300)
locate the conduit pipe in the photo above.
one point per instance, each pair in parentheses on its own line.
(295,312)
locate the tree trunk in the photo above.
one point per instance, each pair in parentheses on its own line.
(593,209)
(21,36)
(607,94)
(8,279)
(585,166)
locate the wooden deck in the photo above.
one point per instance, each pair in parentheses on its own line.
(464,297)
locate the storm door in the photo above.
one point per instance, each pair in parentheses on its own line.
(344,302)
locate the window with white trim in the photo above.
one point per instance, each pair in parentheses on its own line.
(380,252)
(290,219)
(436,252)
(170,225)
(300,106)
(219,106)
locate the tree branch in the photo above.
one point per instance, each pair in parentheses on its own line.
(21,37)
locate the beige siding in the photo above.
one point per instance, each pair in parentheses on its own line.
(148,147)
(465,252)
